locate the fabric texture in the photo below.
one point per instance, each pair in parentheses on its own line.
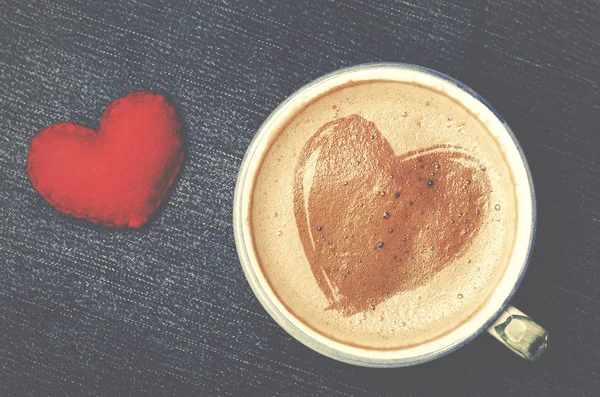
(166,310)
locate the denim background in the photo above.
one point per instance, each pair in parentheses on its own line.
(87,310)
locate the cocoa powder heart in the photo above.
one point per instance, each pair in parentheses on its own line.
(116,176)
(372,223)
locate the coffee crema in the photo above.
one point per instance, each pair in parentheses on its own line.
(383,214)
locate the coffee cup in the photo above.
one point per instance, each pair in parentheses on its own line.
(305,268)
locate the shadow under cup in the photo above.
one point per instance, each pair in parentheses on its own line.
(500,296)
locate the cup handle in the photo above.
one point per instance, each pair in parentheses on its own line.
(517,331)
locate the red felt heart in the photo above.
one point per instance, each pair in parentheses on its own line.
(116,176)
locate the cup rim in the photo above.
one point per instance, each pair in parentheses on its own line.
(250,269)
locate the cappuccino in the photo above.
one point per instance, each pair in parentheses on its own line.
(383,214)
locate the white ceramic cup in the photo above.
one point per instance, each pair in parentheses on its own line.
(507,324)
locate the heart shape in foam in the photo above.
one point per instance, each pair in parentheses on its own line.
(372,223)
(117,176)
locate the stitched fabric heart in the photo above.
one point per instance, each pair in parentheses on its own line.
(116,176)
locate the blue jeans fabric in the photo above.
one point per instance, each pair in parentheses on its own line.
(166,310)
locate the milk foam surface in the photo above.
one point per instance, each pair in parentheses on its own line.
(410,117)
